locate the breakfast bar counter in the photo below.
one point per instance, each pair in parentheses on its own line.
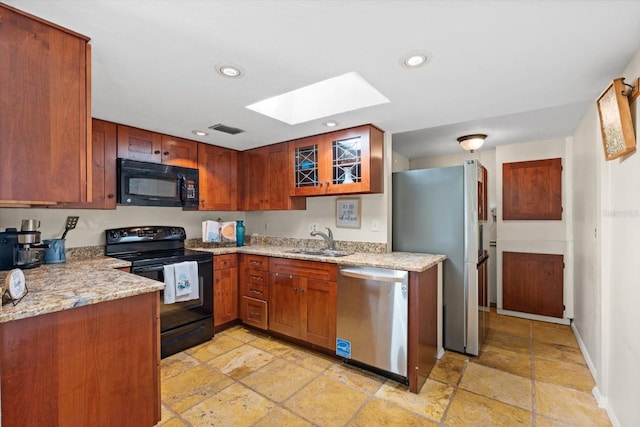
(75,283)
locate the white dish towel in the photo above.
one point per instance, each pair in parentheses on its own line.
(181,282)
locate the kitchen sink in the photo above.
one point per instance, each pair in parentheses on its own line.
(317,252)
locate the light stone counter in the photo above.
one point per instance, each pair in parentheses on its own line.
(395,260)
(75,283)
(83,281)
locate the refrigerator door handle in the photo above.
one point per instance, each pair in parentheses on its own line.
(472,338)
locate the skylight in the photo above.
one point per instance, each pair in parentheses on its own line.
(329,97)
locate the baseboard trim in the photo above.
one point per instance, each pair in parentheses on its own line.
(602,400)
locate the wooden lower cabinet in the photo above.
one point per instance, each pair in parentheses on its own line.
(225,289)
(94,365)
(254,290)
(254,312)
(533,283)
(423,326)
(303,300)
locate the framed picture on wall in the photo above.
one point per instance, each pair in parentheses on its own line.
(348,213)
(616,124)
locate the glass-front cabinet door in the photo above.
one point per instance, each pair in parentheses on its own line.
(306,163)
(339,162)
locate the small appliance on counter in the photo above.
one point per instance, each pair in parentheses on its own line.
(22,249)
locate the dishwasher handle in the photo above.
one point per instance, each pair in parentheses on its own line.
(359,275)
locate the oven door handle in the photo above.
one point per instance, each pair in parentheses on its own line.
(147,268)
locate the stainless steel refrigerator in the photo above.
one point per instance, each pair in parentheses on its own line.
(436,211)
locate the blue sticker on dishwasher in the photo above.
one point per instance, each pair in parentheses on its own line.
(343,348)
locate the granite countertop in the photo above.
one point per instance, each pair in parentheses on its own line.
(83,281)
(395,260)
(75,283)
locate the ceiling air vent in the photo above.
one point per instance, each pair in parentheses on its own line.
(226,129)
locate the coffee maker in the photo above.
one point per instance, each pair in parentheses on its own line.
(22,249)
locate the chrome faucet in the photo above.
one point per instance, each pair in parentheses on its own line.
(328,237)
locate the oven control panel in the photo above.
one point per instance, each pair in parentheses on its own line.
(144,234)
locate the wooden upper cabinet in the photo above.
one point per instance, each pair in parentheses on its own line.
(103,167)
(148,146)
(218,178)
(44,111)
(139,144)
(179,152)
(266,179)
(255,179)
(532,190)
(349,161)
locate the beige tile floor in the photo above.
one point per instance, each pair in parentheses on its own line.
(528,373)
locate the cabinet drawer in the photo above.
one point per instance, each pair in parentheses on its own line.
(256,277)
(256,262)
(309,269)
(254,312)
(224,261)
(255,291)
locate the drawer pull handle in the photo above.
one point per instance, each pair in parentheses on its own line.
(255,262)
(254,313)
(295,289)
(255,277)
(253,291)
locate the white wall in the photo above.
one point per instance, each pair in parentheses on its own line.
(607,317)
(92,223)
(549,237)
(587,151)
(400,163)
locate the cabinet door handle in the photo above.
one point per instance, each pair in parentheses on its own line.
(295,289)
(254,291)
(156,152)
(302,291)
(166,153)
(255,277)
(110,196)
(225,262)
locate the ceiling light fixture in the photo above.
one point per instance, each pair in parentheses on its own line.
(472,142)
(229,70)
(199,132)
(330,123)
(414,59)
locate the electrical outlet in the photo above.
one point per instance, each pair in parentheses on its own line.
(313,227)
(266,226)
(375,225)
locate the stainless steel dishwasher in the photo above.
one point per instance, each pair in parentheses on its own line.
(372,324)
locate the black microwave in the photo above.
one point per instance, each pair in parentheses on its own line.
(153,184)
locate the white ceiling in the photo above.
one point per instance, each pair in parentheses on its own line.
(515,70)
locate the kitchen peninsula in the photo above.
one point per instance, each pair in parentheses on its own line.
(82,345)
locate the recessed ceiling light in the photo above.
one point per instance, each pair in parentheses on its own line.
(414,59)
(199,132)
(330,124)
(229,70)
